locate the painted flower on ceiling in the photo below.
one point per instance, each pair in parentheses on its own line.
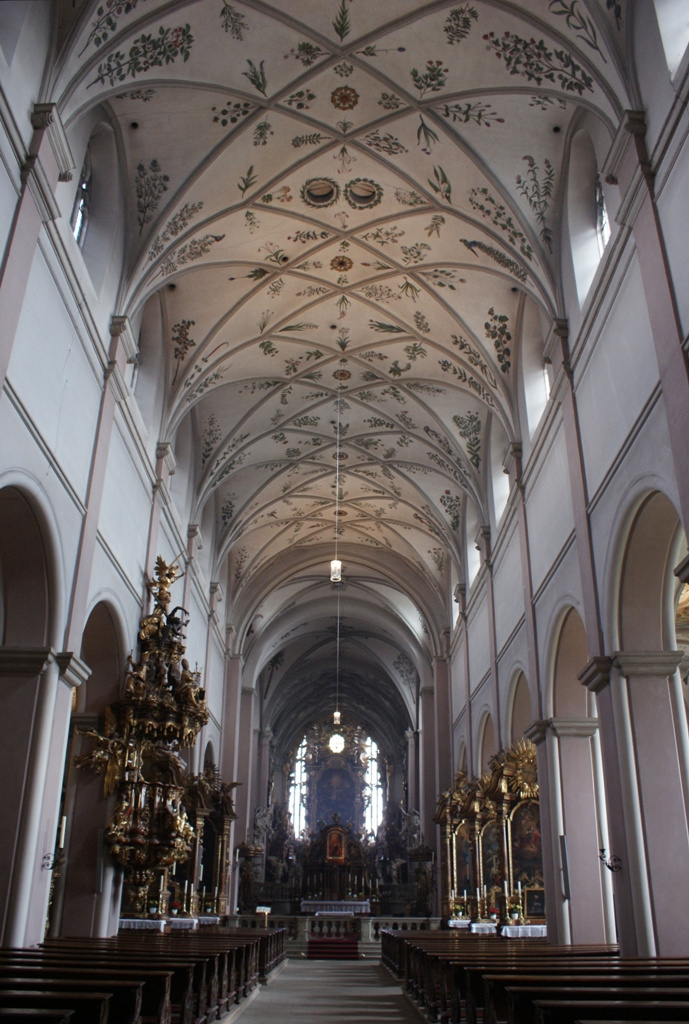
(344,98)
(341,263)
(342,375)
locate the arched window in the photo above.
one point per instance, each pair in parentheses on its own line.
(374,810)
(602,222)
(82,202)
(297,791)
(673,22)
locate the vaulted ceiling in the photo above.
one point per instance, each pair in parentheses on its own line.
(359,207)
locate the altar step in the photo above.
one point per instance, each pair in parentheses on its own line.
(333,949)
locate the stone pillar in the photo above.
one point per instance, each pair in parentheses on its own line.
(427,790)
(643,730)
(411,737)
(48,161)
(37,684)
(551,817)
(228,757)
(443,724)
(264,742)
(577,811)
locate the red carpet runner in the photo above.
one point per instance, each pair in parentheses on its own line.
(334,949)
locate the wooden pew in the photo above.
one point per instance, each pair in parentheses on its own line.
(32,1015)
(126,996)
(89,1008)
(554,1011)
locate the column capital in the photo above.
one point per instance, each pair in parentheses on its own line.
(25,661)
(536,732)
(596,675)
(682,570)
(582,727)
(651,664)
(45,116)
(121,327)
(73,670)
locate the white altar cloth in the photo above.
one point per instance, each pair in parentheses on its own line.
(335,906)
(456,922)
(525,931)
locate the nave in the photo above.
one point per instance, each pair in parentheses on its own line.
(314,991)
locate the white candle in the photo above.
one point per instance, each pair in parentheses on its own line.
(186,886)
(478,893)
(452,895)
(465,895)
(519,887)
(484,892)
(162,882)
(216,892)
(174,867)
(63,826)
(506,890)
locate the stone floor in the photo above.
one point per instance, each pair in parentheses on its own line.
(330,992)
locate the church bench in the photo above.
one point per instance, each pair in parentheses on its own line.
(524,999)
(32,1015)
(508,995)
(126,996)
(630,1011)
(89,1008)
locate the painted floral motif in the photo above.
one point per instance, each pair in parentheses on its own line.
(431,79)
(535,62)
(211,436)
(341,263)
(227,510)
(306,53)
(385,143)
(510,265)
(497,331)
(363,192)
(175,226)
(282,195)
(380,293)
(300,100)
(421,323)
(145,95)
(146,52)
(475,358)
(247,181)
(341,23)
(538,193)
(441,185)
(344,69)
(261,132)
(577,22)
(458,24)
(105,24)
(182,342)
(415,253)
(388,101)
(256,76)
(193,250)
(251,221)
(447,366)
(491,209)
(616,7)
(442,278)
(469,428)
(426,136)
(233,22)
(472,113)
(150,185)
(452,504)
(344,97)
(437,221)
(382,236)
(231,113)
(314,139)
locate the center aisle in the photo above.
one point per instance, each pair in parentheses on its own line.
(333,991)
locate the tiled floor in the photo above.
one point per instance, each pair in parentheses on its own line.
(330,992)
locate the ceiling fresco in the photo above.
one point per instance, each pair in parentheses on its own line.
(349,214)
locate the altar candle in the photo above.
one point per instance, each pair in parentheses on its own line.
(162,882)
(174,867)
(216,892)
(186,885)
(465,895)
(519,888)
(506,891)
(484,892)
(63,826)
(478,893)
(452,896)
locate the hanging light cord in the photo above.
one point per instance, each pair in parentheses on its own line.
(337,476)
(337,657)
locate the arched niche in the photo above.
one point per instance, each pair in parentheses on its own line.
(534,379)
(522,715)
(182,481)
(647,585)
(571,656)
(101,650)
(93,140)
(24,573)
(150,389)
(487,743)
(589,201)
